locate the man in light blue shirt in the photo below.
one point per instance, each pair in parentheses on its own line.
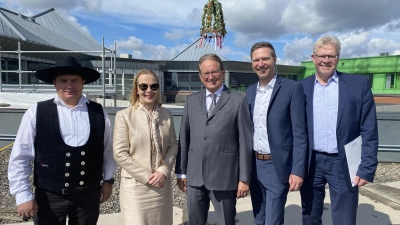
(340,108)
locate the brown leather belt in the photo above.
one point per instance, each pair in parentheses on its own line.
(263,157)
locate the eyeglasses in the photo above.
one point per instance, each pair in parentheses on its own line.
(153,87)
(207,74)
(330,57)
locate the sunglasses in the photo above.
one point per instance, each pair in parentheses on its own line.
(153,87)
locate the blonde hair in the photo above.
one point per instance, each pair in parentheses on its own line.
(134,94)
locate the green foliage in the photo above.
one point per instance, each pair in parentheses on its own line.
(212,21)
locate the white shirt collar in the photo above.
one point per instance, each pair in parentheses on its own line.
(333,78)
(270,85)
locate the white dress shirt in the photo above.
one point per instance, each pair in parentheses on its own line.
(75,130)
(208,103)
(261,103)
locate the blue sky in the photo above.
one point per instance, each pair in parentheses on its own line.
(155,29)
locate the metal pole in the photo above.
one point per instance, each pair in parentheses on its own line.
(115,73)
(19,66)
(115,67)
(103,62)
(1,74)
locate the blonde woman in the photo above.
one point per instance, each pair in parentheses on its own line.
(145,147)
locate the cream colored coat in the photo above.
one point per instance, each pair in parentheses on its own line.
(142,203)
(132,144)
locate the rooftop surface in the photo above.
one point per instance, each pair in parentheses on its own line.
(378,204)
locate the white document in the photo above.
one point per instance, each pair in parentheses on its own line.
(353,155)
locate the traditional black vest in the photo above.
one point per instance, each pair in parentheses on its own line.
(60,166)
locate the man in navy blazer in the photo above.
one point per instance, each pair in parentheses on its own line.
(340,107)
(277,108)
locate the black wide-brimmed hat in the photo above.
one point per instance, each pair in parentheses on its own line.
(68,65)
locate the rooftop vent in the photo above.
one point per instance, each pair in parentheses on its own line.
(125,56)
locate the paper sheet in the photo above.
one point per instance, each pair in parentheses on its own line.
(353,155)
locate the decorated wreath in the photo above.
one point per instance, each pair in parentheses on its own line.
(212,23)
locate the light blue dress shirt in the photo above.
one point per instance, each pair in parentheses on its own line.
(325,111)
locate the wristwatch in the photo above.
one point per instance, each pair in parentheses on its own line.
(110,181)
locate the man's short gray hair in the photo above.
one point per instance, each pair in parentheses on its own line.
(326,40)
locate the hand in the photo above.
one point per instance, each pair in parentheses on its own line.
(157,179)
(359,181)
(27,209)
(295,182)
(181,183)
(106,190)
(243,189)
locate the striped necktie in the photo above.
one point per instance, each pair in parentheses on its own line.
(213,103)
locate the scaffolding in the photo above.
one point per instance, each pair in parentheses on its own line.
(93,89)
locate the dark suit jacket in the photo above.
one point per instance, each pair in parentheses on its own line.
(215,151)
(286,125)
(356,116)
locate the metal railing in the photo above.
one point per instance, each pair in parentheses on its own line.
(92,89)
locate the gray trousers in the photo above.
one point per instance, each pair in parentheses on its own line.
(198,204)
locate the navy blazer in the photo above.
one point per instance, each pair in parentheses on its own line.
(286,125)
(356,116)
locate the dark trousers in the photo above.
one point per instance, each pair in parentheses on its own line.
(82,208)
(268,194)
(327,169)
(198,204)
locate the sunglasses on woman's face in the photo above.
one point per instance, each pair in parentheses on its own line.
(153,87)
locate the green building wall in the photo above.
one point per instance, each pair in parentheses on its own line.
(382,71)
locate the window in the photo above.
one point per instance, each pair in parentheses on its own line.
(389,81)
(241,81)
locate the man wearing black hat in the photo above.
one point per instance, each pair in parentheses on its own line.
(68,138)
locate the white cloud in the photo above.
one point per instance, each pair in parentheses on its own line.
(365,28)
(378,45)
(140,50)
(176,34)
(286,62)
(75,21)
(230,53)
(297,51)
(396,52)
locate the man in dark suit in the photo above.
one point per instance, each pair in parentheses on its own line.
(280,137)
(340,107)
(214,147)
